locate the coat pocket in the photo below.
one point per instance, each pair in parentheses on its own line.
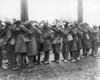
(87,36)
(12,42)
(69,37)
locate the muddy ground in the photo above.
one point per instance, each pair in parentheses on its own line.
(85,69)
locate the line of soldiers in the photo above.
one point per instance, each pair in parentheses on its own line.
(26,41)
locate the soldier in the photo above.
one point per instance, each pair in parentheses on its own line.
(99,37)
(8,27)
(40,42)
(86,41)
(12,42)
(31,31)
(20,45)
(94,40)
(2,41)
(73,45)
(67,38)
(56,42)
(47,42)
(79,42)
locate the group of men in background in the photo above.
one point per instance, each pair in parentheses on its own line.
(25,42)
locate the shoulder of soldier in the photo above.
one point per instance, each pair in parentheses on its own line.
(22,26)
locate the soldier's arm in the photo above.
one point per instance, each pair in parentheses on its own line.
(84,30)
(37,30)
(48,34)
(54,29)
(79,31)
(66,32)
(8,34)
(29,31)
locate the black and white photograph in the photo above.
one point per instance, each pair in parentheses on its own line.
(49,39)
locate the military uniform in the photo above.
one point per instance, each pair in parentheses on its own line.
(40,42)
(86,41)
(10,46)
(32,44)
(79,43)
(2,35)
(56,44)
(20,46)
(74,45)
(46,33)
(67,38)
(94,42)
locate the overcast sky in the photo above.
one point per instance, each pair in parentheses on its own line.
(52,9)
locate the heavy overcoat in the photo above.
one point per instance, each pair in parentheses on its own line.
(95,39)
(73,45)
(47,39)
(86,41)
(80,37)
(20,45)
(56,40)
(32,43)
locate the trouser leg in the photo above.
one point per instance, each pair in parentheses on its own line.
(47,56)
(58,57)
(40,49)
(78,53)
(38,54)
(23,59)
(34,58)
(9,55)
(44,57)
(65,51)
(71,54)
(38,57)
(54,51)
(0,57)
(92,52)
(84,52)
(74,55)
(31,59)
(18,59)
(58,46)
(87,50)
(14,59)
(96,50)
(14,56)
